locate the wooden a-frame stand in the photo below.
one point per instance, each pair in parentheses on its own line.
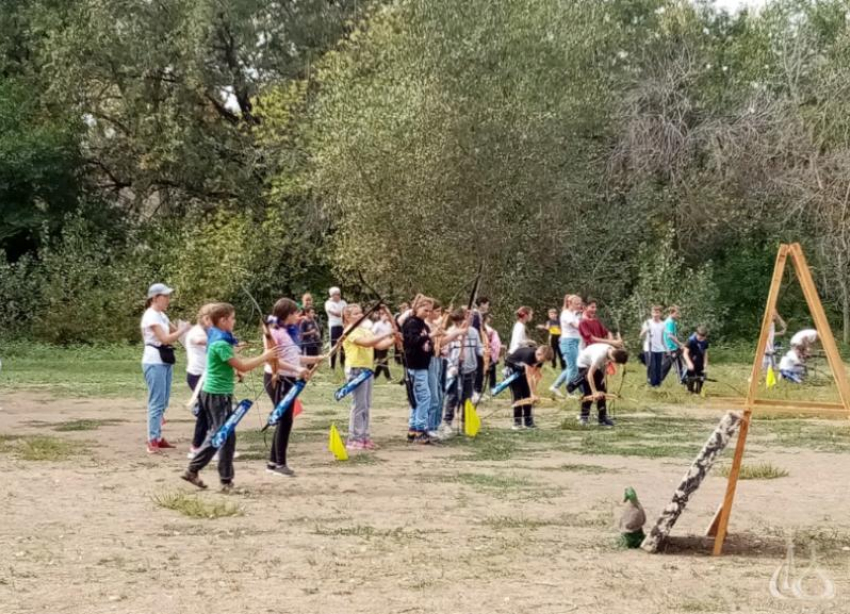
(721,519)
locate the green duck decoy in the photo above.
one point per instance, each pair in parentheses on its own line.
(632,520)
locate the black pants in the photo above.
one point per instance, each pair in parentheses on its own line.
(491,374)
(336,333)
(201,422)
(670,359)
(557,357)
(655,368)
(310,349)
(456,396)
(478,385)
(280,441)
(696,376)
(520,391)
(382,364)
(584,386)
(218,408)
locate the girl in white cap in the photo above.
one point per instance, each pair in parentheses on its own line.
(158,360)
(334,307)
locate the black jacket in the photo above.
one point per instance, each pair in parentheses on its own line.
(417,343)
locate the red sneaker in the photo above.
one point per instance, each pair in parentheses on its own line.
(153,447)
(163,443)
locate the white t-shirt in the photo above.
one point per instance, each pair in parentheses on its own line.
(594,355)
(336,306)
(791,362)
(381,328)
(196,350)
(152,318)
(654,340)
(569,324)
(806,336)
(518,337)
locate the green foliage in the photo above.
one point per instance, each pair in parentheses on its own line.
(664,279)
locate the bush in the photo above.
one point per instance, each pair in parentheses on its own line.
(663,278)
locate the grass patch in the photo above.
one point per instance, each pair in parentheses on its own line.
(592,519)
(370,532)
(757,471)
(39,447)
(85,425)
(580,468)
(194,507)
(488,481)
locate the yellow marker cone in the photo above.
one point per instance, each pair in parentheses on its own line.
(471,421)
(335,444)
(770,380)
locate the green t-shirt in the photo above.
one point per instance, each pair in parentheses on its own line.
(670,330)
(219,377)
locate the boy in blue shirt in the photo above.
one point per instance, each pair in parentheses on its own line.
(696,355)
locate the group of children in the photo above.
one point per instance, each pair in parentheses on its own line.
(449,358)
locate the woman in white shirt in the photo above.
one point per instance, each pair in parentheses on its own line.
(519,338)
(158,360)
(570,341)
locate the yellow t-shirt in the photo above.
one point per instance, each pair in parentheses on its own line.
(357,357)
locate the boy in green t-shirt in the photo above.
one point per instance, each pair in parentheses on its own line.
(216,397)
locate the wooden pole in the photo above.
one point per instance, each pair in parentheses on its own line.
(721,521)
(821,324)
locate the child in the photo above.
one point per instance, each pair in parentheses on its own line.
(418,351)
(290,366)
(570,340)
(195,342)
(435,371)
(792,367)
(672,346)
(311,336)
(553,327)
(696,357)
(770,349)
(479,314)
(592,330)
(652,332)
(495,348)
(216,397)
(592,366)
(527,360)
(519,338)
(360,346)
(381,327)
(462,367)
(804,341)
(333,308)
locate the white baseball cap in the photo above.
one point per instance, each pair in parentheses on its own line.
(334,290)
(157,289)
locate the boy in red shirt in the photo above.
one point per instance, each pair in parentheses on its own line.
(592,330)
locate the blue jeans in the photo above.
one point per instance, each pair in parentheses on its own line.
(435,409)
(422,396)
(158,379)
(569,350)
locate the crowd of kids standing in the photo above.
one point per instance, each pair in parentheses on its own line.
(445,359)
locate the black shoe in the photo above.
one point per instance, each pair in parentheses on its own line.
(529,424)
(606,421)
(423,439)
(411,436)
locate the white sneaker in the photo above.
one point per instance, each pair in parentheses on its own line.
(434,435)
(446,431)
(556,392)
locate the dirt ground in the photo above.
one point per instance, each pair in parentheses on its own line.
(408,529)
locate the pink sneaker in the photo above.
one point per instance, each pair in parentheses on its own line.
(370,445)
(354,445)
